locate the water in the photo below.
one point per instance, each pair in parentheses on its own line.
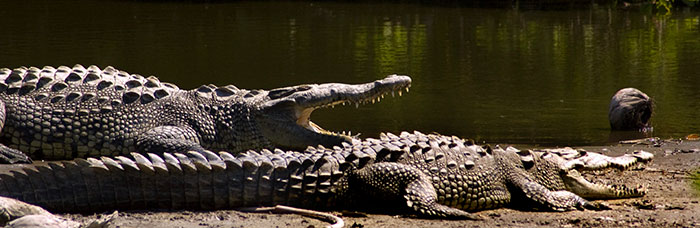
(495,75)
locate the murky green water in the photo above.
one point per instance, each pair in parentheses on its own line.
(499,75)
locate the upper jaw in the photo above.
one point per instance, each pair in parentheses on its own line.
(331,94)
(576,159)
(287,113)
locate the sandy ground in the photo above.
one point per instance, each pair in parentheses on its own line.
(671,201)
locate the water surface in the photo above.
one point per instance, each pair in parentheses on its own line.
(495,75)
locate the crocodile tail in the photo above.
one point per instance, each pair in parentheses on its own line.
(193,180)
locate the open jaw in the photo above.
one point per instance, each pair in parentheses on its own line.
(286,117)
(576,183)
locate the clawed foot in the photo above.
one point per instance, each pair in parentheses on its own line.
(12,156)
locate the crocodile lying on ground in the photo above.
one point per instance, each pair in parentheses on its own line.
(427,175)
(65,113)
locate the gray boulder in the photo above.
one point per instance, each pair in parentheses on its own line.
(630,109)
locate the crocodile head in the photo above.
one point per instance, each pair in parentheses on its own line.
(284,119)
(559,169)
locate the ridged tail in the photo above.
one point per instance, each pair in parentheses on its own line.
(176,181)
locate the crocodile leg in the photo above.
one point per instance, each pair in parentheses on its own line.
(169,139)
(7,154)
(386,179)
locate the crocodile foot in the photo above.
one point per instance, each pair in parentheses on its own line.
(12,156)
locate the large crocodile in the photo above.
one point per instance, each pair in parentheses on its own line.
(64,113)
(427,175)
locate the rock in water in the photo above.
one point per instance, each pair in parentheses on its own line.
(630,109)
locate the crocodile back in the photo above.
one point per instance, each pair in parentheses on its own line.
(63,113)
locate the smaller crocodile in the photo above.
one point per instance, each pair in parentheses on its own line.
(65,113)
(427,175)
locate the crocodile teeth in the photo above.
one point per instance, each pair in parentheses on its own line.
(400,93)
(392,94)
(407,89)
(357,105)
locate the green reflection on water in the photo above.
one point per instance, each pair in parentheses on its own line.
(500,75)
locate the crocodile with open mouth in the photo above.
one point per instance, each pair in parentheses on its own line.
(64,113)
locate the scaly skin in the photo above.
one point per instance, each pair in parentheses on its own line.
(426,175)
(68,113)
